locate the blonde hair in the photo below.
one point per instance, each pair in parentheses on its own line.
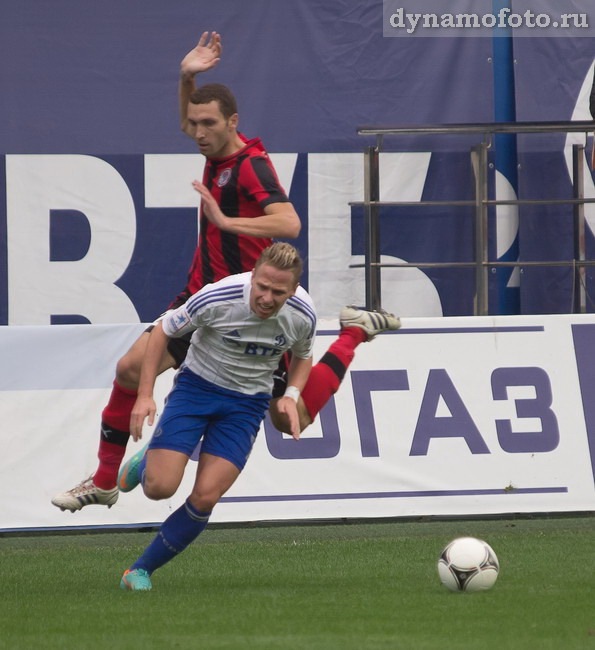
(282,256)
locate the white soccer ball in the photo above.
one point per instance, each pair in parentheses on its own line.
(468,564)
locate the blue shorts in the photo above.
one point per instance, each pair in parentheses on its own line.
(226,421)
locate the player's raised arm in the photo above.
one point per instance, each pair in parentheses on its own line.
(203,57)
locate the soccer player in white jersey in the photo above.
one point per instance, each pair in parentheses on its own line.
(242,325)
(241,214)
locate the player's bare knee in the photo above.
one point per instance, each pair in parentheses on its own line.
(128,371)
(281,421)
(156,489)
(205,500)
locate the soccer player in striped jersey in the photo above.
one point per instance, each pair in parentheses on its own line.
(243,207)
(241,327)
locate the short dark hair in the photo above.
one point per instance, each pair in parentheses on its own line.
(217,93)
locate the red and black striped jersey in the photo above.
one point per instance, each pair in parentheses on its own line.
(243,184)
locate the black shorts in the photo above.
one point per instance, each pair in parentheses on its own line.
(177,347)
(280,376)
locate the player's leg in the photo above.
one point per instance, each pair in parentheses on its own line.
(214,477)
(357,326)
(163,472)
(159,465)
(100,487)
(280,421)
(159,471)
(234,421)
(115,418)
(324,380)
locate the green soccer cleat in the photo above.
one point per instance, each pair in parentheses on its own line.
(136,580)
(129,477)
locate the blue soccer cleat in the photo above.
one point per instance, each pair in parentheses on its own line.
(136,580)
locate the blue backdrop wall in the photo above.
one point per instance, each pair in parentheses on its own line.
(97,221)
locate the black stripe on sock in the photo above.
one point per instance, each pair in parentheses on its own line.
(335,364)
(115,436)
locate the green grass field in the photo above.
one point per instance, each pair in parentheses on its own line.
(346,585)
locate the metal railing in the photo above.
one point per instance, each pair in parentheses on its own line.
(481,203)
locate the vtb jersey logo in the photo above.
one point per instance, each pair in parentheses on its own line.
(259,350)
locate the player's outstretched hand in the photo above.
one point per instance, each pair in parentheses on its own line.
(143,407)
(287,406)
(204,56)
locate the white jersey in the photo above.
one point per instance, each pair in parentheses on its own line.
(234,348)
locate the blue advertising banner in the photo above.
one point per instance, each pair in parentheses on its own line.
(98,221)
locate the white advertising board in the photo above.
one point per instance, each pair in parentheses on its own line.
(446,417)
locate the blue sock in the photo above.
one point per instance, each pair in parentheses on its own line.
(180,529)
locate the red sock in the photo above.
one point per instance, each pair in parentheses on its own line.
(115,431)
(326,376)
(110,457)
(117,412)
